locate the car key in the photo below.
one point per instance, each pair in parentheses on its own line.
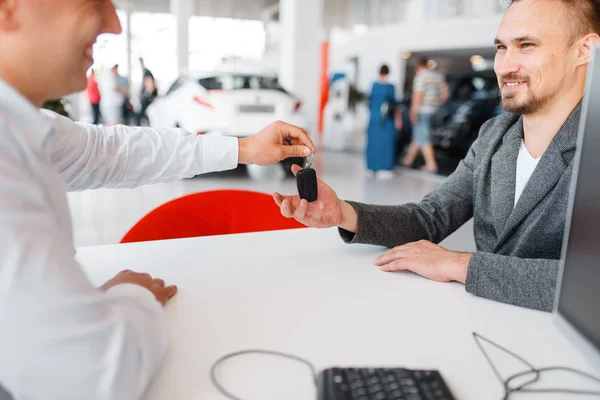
(306,179)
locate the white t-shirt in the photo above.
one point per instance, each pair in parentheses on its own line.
(525,166)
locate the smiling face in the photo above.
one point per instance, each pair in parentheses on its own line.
(55,38)
(534,61)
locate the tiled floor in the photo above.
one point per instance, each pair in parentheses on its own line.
(104,216)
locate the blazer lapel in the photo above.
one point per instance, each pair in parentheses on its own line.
(548,172)
(504,169)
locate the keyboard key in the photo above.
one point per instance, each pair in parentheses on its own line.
(382,384)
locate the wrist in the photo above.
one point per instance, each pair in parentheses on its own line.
(460,267)
(243,150)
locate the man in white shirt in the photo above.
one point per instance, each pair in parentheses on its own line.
(518,205)
(60,337)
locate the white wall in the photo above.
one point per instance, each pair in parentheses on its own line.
(386,44)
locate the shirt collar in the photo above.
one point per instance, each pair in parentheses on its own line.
(25,115)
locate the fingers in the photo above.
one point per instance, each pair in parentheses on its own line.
(309,214)
(158,282)
(286,209)
(145,276)
(316,214)
(390,256)
(396,265)
(171,290)
(278,199)
(296,168)
(300,212)
(294,151)
(293,132)
(164,294)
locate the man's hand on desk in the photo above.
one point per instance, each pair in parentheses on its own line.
(328,211)
(157,286)
(427,259)
(270,146)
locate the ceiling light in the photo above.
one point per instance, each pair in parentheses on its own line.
(476,59)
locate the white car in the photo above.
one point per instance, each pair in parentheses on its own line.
(228,104)
(225,104)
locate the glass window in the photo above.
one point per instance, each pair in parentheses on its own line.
(240,82)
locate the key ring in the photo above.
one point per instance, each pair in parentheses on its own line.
(308,161)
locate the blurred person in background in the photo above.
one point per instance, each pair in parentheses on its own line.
(93,92)
(114,91)
(430,91)
(384,120)
(148,92)
(145,71)
(61,337)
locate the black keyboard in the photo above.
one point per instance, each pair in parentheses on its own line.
(381,384)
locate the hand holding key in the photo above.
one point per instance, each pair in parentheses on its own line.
(326,212)
(306,179)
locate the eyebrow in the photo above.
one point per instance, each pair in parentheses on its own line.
(519,39)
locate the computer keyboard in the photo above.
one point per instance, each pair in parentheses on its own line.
(381,384)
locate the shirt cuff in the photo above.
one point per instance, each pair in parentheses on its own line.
(132,291)
(351,237)
(473,274)
(218,153)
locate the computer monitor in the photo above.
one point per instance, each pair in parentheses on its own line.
(577,305)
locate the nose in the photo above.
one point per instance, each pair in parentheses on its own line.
(110,19)
(506,62)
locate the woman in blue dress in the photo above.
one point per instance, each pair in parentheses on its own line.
(384,120)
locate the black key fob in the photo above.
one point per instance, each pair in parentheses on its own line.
(307,184)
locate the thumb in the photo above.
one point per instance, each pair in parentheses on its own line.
(296,168)
(295,151)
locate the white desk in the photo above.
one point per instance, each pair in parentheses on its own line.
(307,293)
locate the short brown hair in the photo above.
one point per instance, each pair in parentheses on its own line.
(583,17)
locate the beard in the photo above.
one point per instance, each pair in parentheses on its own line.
(532,102)
(530,105)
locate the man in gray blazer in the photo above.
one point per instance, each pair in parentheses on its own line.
(514,181)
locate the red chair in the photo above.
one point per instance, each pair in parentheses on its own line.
(217,212)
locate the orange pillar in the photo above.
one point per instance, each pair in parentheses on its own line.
(324,84)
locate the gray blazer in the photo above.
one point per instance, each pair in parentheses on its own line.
(518,247)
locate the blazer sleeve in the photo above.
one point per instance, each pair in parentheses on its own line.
(436,217)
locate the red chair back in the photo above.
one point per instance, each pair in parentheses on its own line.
(211,213)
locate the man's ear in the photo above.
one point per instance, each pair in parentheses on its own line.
(586,47)
(8,12)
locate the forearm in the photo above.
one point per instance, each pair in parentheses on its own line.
(147,156)
(527,283)
(392,226)
(90,157)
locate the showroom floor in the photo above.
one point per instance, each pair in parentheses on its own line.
(103,216)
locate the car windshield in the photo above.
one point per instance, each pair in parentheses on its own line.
(239,82)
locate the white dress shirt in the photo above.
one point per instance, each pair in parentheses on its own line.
(60,337)
(526,164)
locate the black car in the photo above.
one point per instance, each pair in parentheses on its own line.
(474,99)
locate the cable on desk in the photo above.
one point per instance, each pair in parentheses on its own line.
(225,392)
(523,388)
(536,372)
